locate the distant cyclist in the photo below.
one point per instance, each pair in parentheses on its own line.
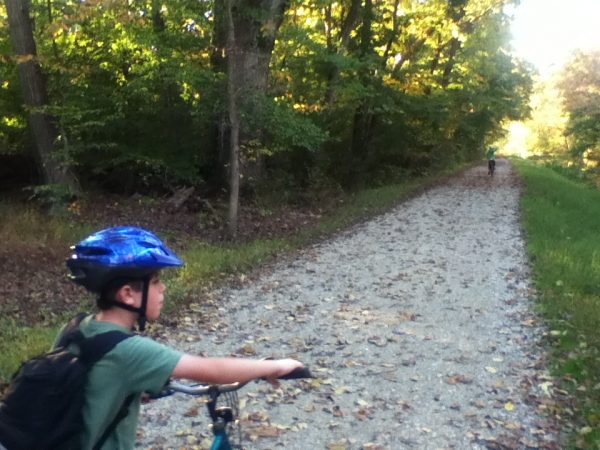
(491,157)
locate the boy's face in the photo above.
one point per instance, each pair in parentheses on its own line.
(156,290)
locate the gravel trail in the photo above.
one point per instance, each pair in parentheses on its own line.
(418,325)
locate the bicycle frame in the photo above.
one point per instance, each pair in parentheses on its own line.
(221,417)
(221,440)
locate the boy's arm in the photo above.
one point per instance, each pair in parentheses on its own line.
(231,370)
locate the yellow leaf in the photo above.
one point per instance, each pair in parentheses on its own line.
(337,446)
(343,390)
(315,383)
(509,406)
(545,387)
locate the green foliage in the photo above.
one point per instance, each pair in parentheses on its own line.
(561,219)
(32,224)
(580,85)
(285,129)
(547,122)
(139,98)
(51,193)
(18,343)
(13,132)
(563,129)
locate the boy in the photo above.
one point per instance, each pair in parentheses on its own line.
(121,265)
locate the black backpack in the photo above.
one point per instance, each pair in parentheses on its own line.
(42,408)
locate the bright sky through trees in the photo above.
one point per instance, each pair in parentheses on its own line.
(546,31)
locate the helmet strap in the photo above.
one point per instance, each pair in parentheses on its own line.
(141,310)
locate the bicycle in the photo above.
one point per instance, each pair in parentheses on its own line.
(491,167)
(224,418)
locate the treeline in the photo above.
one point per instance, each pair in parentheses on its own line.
(564,128)
(148,95)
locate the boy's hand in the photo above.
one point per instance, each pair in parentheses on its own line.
(281,368)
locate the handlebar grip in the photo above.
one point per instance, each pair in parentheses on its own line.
(300,372)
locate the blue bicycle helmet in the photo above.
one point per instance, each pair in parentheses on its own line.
(119,252)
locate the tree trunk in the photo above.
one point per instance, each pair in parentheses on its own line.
(35,96)
(234,125)
(363,116)
(255,24)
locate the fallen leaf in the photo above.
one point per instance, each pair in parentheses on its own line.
(372,446)
(247,349)
(342,390)
(463,379)
(545,387)
(362,414)
(337,412)
(257,416)
(192,412)
(265,431)
(337,446)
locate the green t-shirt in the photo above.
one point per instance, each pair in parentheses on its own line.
(136,365)
(491,153)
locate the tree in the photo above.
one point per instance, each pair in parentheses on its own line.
(580,86)
(234,123)
(344,92)
(548,122)
(54,170)
(255,24)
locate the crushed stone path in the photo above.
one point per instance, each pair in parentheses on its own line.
(418,324)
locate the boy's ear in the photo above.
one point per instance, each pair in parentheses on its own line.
(125,295)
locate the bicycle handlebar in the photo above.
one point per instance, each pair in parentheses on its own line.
(300,372)
(203,389)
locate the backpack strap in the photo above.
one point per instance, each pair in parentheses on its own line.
(70,332)
(94,348)
(91,350)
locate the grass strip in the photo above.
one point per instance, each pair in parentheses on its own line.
(561,218)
